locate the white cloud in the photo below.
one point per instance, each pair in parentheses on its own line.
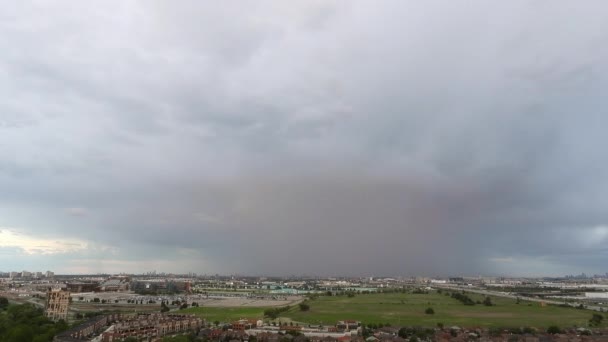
(32,245)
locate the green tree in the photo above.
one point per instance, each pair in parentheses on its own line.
(3,303)
(596,320)
(553,330)
(487,301)
(27,323)
(304,307)
(528,330)
(429,311)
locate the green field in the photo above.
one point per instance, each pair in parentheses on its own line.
(212,314)
(408,309)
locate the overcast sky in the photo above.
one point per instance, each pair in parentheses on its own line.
(304,137)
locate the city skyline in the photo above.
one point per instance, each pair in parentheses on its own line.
(309,137)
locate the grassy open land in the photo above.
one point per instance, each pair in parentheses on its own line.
(409,310)
(400,309)
(212,314)
(93,307)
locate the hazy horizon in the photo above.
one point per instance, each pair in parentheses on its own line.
(304,137)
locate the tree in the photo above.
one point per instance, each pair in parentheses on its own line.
(429,311)
(3,302)
(553,330)
(304,307)
(164,307)
(528,330)
(487,301)
(27,323)
(596,320)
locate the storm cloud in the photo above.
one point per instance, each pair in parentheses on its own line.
(304,137)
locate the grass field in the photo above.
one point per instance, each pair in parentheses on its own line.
(409,310)
(212,314)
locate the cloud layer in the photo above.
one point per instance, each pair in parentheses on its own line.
(314,137)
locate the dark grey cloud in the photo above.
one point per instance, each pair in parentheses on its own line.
(315,137)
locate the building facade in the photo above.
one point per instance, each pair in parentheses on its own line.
(57,304)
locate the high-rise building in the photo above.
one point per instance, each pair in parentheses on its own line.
(57,304)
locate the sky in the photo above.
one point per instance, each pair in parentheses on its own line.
(319,137)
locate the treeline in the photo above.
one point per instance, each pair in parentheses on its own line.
(416,333)
(466,300)
(275,312)
(26,323)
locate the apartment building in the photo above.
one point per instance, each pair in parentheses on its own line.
(57,304)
